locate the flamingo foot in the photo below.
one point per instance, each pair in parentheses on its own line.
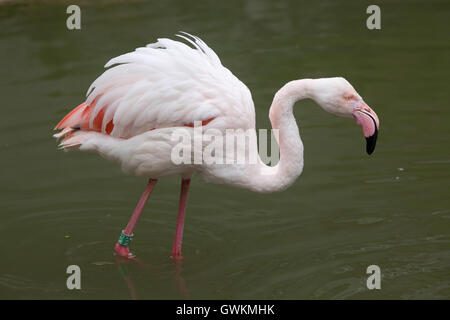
(123,251)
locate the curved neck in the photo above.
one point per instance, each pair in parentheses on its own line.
(259,177)
(290,166)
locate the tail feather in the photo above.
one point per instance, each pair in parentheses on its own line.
(72,128)
(75,139)
(73,118)
(66,132)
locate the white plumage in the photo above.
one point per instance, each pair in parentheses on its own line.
(168,84)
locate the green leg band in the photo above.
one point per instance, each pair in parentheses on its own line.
(125,239)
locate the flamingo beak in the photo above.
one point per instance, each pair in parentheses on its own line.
(366,118)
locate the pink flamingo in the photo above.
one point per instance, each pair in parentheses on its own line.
(135,106)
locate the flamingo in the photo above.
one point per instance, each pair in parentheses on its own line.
(134,107)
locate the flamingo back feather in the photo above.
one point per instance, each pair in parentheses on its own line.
(165,84)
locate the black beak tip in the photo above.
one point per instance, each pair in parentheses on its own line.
(371,142)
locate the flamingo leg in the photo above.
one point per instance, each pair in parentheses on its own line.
(176,251)
(121,247)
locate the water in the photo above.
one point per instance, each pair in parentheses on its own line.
(313,241)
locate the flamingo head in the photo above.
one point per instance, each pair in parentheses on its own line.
(337,96)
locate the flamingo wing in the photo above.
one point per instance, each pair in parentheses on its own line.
(165,84)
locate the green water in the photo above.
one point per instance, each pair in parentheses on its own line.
(313,241)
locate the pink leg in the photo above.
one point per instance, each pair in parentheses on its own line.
(124,250)
(176,251)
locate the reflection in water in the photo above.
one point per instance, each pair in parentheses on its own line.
(178,264)
(123,265)
(124,271)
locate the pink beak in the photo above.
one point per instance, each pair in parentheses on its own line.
(368,120)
